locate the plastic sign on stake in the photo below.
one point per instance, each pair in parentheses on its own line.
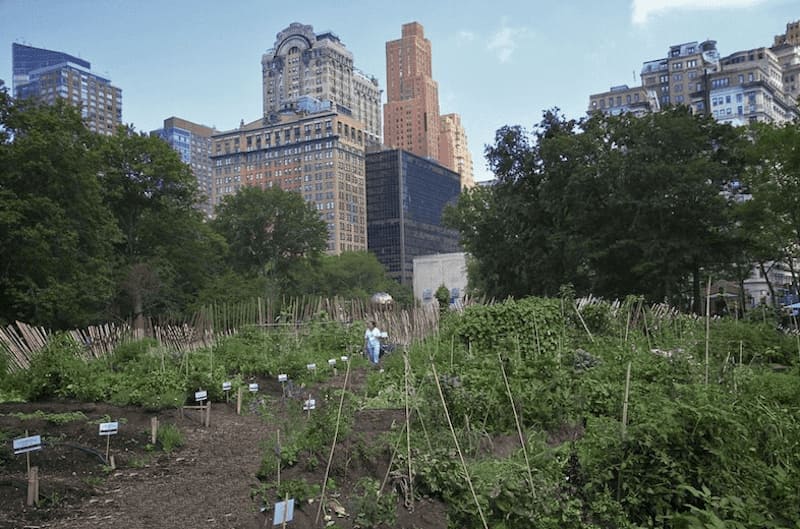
(332,362)
(109,428)
(311,367)
(344,359)
(283,377)
(226,386)
(310,404)
(284,512)
(253,388)
(200,396)
(27,444)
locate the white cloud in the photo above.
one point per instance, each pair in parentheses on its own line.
(504,41)
(466,35)
(643,10)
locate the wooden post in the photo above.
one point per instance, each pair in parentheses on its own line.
(33,486)
(279,458)
(108,445)
(708,322)
(208,414)
(239,401)
(285,510)
(153,430)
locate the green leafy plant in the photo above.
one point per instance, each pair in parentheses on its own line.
(170,437)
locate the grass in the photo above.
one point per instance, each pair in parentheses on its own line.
(170,437)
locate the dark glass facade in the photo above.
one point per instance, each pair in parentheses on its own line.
(406,195)
(25,59)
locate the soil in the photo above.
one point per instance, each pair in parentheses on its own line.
(208,482)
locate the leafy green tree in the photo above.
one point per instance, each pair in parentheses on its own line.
(270,232)
(56,232)
(613,205)
(774,178)
(167,252)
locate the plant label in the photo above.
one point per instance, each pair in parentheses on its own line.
(226,386)
(311,367)
(200,396)
(283,377)
(344,359)
(109,428)
(310,404)
(253,388)
(332,362)
(27,444)
(284,512)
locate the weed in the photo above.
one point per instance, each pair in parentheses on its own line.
(170,437)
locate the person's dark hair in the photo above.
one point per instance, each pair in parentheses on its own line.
(372,322)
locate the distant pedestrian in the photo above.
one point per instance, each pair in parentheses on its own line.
(372,339)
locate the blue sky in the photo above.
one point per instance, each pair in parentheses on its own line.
(496,63)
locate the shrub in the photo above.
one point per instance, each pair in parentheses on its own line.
(170,437)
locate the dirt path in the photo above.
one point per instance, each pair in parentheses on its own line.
(205,484)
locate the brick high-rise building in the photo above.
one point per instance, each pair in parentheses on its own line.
(315,151)
(411,112)
(193,142)
(304,63)
(453,150)
(761,84)
(49,75)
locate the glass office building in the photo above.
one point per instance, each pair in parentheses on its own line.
(406,195)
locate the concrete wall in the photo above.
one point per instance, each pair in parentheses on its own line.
(431,271)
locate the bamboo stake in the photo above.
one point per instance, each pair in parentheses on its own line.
(708,323)
(333,444)
(279,458)
(519,427)
(458,447)
(586,328)
(408,429)
(623,430)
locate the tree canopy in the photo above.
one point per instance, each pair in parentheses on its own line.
(613,205)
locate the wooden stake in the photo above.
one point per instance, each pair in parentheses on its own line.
(153,430)
(286,510)
(33,486)
(624,426)
(708,322)
(208,414)
(108,444)
(279,458)
(519,426)
(586,328)
(458,447)
(408,425)
(239,401)
(333,444)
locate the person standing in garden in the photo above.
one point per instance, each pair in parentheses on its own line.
(373,342)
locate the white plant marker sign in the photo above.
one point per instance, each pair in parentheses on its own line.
(284,512)
(253,388)
(107,429)
(23,445)
(200,396)
(343,359)
(311,367)
(226,387)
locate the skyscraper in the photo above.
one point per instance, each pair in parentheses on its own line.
(315,151)
(760,84)
(303,63)
(411,113)
(193,142)
(453,150)
(47,75)
(406,195)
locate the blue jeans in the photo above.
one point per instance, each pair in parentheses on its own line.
(374,352)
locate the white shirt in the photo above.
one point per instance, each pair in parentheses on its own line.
(373,336)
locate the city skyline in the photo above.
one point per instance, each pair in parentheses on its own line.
(494,66)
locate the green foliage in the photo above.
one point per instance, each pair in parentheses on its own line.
(269,230)
(372,508)
(170,437)
(55,418)
(613,205)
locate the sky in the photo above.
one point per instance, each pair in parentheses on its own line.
(496,63)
